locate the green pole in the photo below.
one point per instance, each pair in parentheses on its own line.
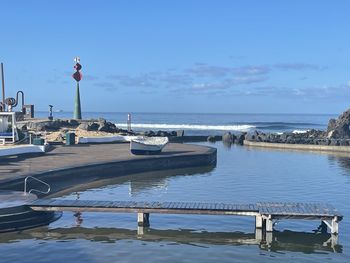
(77,107)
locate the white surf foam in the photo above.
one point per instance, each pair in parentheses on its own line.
(187,126)
(300,131)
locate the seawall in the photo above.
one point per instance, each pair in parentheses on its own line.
(67,166)
(305,147)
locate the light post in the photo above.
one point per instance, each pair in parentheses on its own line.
(77,76)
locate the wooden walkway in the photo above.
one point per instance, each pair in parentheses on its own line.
(264,212)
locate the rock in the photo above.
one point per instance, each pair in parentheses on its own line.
(332,134)
(44,126)
(250,137)
(107,127)
(240,139)
(331,125)
(340,125)
(102,120)
(290,140)
(180,133)
(343,142)
(83,126)
(284,136)
(73,123)
(227,137)
(89,126)
(150,133)
(334,142)
(211,139)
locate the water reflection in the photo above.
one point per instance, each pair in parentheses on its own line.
(137,182)
(278,241)
(342,161)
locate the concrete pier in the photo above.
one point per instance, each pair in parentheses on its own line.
(301,147)
(65,166)
(264,212)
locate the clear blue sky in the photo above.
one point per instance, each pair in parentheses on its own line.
(180,56)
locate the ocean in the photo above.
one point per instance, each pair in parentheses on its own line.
(209,124)
(242,175)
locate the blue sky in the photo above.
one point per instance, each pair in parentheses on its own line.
(180,56)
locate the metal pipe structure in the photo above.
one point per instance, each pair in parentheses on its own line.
(17,98)
(3,87)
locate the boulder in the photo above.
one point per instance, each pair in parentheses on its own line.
(107,127)
(250,137)
(343,142)
(284,136)
(227,137)
(331,125)
(150,133)
(89,126)
(240,139)
(44,125)
(334,142)
(73,123)
(339,128)
(180,133)
(211,139)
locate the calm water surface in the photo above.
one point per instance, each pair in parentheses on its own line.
(242,175)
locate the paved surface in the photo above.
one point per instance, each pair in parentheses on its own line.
(68,157)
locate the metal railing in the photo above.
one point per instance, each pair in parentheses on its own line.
(35,190)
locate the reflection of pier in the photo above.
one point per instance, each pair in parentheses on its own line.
(279,241)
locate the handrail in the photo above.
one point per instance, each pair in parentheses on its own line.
(35,190)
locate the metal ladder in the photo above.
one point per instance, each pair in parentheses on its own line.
(35,190)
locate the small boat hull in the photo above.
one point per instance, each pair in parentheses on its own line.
(145,152)
(147,147)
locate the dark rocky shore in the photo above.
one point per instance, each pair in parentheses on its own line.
(337,134)
(99,126)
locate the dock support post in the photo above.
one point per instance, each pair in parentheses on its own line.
(335,226)
(269,224)
(258,234)
(259,221)
(143,219)
(268,238)
(140,230)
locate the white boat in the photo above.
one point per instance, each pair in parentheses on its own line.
(148,145)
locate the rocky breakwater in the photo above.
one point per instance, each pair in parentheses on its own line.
(55,130)
(229,138)
(58,125)
(337,134)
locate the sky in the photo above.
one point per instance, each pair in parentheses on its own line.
(195,56)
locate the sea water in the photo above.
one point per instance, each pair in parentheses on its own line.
(242,175)
(213,124)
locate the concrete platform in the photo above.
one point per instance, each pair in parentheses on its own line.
(299,147)
(64,166)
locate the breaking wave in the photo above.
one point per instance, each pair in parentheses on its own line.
(160,126)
